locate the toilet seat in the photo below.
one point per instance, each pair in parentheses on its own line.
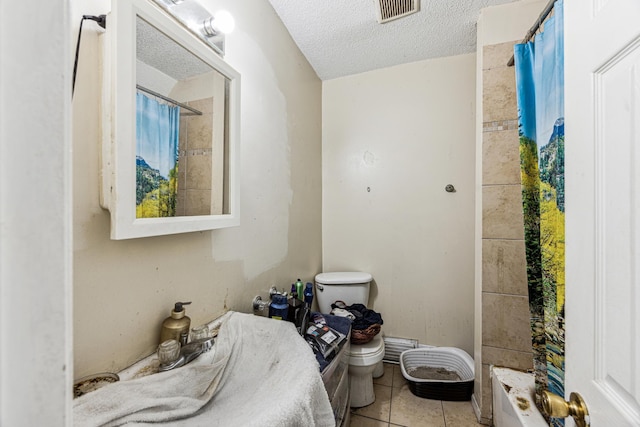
(367,354)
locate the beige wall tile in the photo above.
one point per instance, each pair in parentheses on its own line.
(180,203)
(499,94)
(408,409)
(198,202)
(497,55)
(486,411)
(521,360)
(203,105)
(182,172)
(200,131)
(199,172)
(504,267)
(182,135)
(500,157)
(505,320)
(502,212)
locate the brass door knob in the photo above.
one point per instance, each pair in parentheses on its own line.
(555,406)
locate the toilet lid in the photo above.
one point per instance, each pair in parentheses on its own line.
(367,354)
(343,278)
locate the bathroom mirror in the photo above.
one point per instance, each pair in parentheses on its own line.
(170,154)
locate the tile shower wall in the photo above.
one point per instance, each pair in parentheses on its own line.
(195,161)
(506,337)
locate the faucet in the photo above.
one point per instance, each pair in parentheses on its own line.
(188,352)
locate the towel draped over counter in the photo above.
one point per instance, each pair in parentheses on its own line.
(262,374)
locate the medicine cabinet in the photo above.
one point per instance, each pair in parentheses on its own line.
(170,127)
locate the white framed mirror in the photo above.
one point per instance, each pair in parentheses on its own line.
(170,143)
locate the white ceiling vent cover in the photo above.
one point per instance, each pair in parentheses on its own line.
(388,10)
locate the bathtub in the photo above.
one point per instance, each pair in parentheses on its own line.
(513,401)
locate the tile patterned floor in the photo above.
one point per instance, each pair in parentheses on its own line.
(395,405)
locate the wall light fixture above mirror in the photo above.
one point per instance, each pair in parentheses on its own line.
(211,29)
(170,146)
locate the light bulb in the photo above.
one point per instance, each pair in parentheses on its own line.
(224,21)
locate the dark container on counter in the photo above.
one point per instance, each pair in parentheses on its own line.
(279,309)
(295,307)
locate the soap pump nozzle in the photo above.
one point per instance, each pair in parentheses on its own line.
(179,309)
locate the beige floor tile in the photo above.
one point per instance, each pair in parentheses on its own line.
(359,421)
(387,377)
(459,414)
(410,410)
(379,409)
(398,379)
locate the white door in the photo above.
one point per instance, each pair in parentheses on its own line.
(602,83)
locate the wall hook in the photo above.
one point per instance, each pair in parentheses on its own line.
(450,188)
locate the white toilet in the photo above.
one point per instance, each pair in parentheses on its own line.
(365,360)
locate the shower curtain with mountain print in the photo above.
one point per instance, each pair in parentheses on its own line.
(157,144)
(540,91)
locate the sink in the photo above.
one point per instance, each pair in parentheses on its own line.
(259,372)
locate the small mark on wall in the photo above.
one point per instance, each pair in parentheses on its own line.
(369,158)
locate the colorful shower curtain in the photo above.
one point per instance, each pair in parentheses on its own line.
(157,142)
(540,91)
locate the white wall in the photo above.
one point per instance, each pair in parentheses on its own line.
(405,132)
(35,205)
(124,289)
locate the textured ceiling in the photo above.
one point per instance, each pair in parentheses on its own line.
(162,53)
(342,37)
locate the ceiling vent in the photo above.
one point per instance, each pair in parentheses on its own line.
(388,10)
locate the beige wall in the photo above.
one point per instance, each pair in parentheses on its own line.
(124,289)
(502,331)
(392,140)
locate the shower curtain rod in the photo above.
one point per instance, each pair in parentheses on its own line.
(172,101)
(547,10)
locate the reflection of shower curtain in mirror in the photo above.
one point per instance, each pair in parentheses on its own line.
(540,89)
(157,134)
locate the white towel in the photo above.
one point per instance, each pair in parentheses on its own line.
(262,374)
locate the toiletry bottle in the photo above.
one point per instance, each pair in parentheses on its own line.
(308,294)
(305,314)
(279,309)
(176,326)
(300,289)
(294,306)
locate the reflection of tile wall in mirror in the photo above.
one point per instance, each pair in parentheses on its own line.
(195,158)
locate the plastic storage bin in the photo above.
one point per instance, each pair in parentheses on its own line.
(440,373)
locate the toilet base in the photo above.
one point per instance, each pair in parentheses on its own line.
(361,388)
(379,370)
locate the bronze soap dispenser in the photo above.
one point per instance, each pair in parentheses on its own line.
(176,326)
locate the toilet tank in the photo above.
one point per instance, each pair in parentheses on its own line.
(350,287)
